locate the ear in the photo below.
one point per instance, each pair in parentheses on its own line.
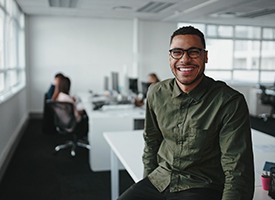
(206,56)
(169,58)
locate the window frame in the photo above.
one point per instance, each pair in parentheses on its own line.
(12,63)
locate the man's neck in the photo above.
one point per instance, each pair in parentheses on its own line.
(188,88)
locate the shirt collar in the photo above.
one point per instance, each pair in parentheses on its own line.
(197,92)
(176,89)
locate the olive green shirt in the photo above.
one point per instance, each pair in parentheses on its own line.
(198,140)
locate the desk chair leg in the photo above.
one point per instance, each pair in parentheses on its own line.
(87,146)
(73,150)
(73,145)
(63,146)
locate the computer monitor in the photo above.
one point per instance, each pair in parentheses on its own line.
(133,85)
(115,81)
(106,83)
(144,88)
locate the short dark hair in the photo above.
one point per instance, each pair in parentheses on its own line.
(189,30)
(58,75)
(65,85)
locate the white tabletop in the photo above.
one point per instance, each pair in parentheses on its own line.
(128,147)
(264,150)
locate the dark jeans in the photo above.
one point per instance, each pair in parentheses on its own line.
(144,190)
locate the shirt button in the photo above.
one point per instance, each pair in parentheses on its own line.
(180,142)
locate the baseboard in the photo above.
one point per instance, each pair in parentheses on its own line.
(36,115)
(7,154)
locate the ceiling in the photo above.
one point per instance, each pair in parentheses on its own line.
(243,12)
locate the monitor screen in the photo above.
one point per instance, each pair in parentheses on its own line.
(144,87)
(115,81)
(133,85)
(106,83)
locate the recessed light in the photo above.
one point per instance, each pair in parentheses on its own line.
(122,8)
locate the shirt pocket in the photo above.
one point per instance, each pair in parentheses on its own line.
(201,141)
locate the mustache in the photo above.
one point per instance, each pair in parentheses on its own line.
(188,64)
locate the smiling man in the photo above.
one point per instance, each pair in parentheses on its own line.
(197,132)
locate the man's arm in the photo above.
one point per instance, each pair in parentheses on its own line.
(153,138)
(236,151)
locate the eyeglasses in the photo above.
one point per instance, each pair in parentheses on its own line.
(177,53)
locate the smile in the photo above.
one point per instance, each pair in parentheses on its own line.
(183,69)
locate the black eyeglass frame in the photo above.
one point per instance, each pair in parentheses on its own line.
(189,51)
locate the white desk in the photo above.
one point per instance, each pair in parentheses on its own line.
(127,147)
(112,118)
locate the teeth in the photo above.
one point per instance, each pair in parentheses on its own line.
(185,69)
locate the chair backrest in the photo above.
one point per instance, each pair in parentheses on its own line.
(48,125)
(64,117)
(266,99)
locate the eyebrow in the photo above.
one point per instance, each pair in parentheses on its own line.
(186,49)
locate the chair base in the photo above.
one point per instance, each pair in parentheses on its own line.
(266,116)
(72,145)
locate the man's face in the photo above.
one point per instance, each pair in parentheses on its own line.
(188,71)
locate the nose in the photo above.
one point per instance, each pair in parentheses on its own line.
(185,57)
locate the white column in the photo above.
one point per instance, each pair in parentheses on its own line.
(135,48)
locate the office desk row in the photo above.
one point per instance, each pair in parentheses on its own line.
(109,118)
(126,147)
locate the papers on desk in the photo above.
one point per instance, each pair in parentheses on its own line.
(117,107)
(268,165)
(264,147)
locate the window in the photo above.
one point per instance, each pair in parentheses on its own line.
(269,33)
(216,59)
(12,54)
(2,83)
(248,32)
(246,54)
(219,31)
(239,53)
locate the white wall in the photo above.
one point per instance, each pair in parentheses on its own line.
(13,115)
(88,49)
(154,46)
(84,49)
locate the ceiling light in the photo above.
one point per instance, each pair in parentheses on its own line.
(154,7)
(121,8)
(63,3)
(259,13)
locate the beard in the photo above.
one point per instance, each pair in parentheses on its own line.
(189,82)
(198,77)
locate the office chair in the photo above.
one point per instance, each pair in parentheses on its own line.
(66,123)
(48,126)
(267,99)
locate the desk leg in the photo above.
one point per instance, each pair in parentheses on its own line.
(114,176)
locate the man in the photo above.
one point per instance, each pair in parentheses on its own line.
(197,133)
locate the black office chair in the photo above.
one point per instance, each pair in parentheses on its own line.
(66,123)
(267,99)
(48,126)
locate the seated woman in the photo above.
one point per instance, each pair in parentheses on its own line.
(62,92)
(50,92)
(153,78)
(48,126)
